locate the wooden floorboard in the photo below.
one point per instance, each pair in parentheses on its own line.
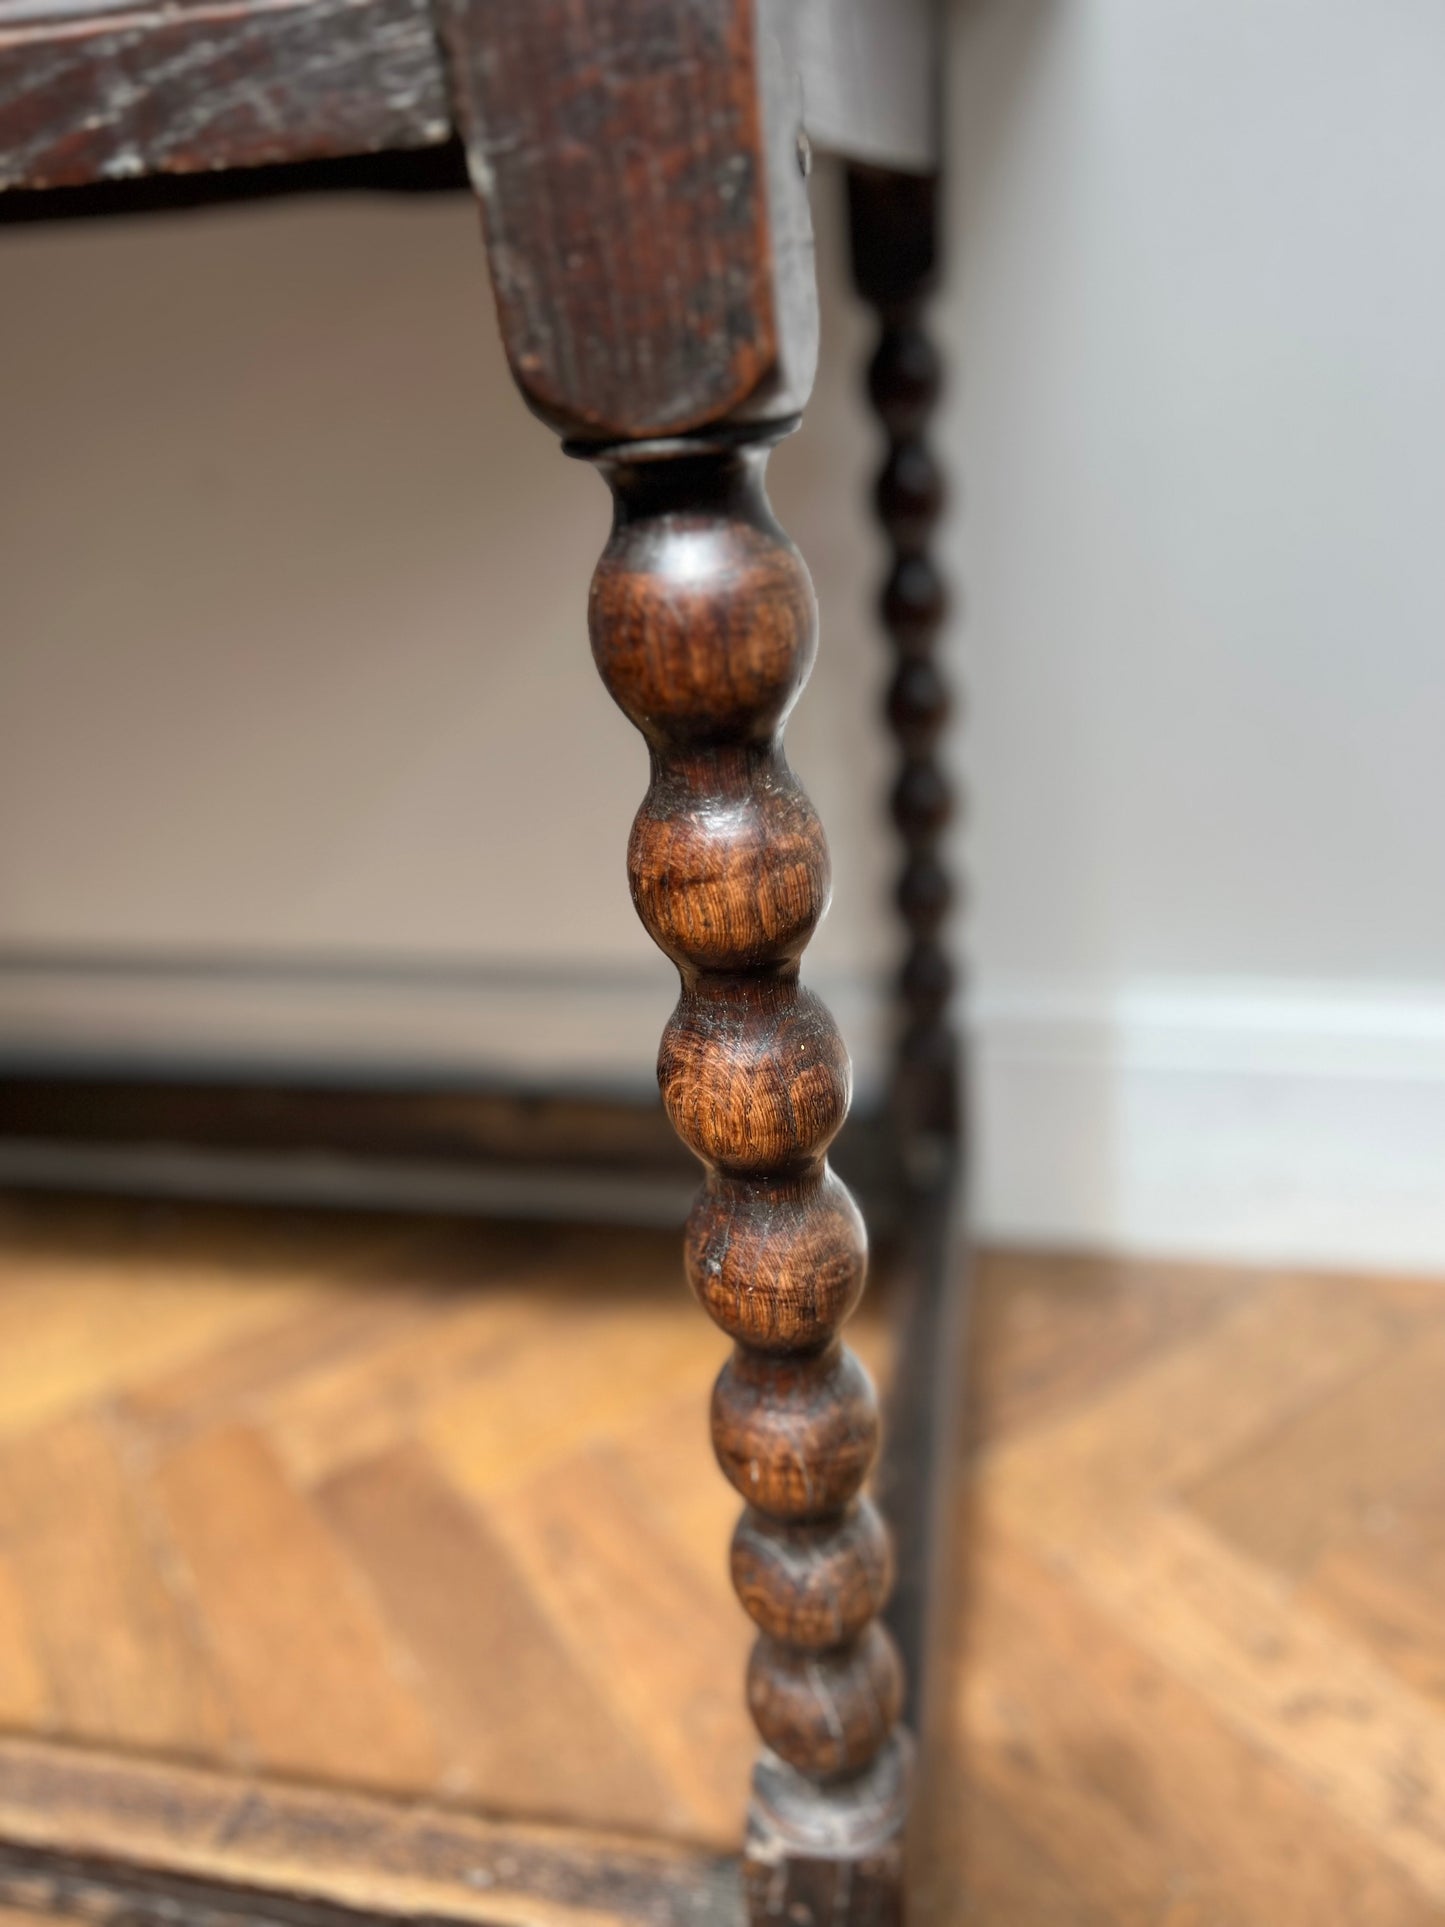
(371,1510)
(293,1503)
(1196,1669)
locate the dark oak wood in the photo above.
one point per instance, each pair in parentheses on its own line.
(419,1122)
(929,1285)
(703,626)
(893,221)
(640,170)
(675,355)
(466,1147)
(894,235)
(640,166)
(408,170)
(107,93)
(119,1839)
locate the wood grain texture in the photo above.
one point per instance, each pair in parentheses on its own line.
(659,311)
(1184,1684)
(232,1553)
(521,1706)
(115,1839)
(1153,1709)
(582,1533)
(438,1517)
(113,93)
(638,163)
(25,1693)
(77,1526)
(703,626)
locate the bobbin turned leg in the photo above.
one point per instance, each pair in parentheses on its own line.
(704,627)
(893,228)
(640,169)
(895,240)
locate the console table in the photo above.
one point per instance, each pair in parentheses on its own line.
(641,169)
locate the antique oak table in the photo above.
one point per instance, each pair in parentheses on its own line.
(640,166)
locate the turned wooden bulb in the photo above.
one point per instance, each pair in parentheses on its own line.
(914,603)
(703,625)
(813,1585)
(728,864)
(796,1436)
(827,1713)
(703,619)
(757,1084)
(922,800)
(909,494)
(904,378)
(779,1266)
(918,704)
(925,893)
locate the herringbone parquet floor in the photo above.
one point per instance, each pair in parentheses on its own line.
(430,1509)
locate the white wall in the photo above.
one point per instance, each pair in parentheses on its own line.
(1202,420)
(299,729)
(291,594)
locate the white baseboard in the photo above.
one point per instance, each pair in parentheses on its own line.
(1270,1123)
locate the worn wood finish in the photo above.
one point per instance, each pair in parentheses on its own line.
(106,1838)
(703,627)
(929,1273)
(407,170)
(641,174)
(106,93)
(893,220)
(661,314)
(670,287)
(423,1122)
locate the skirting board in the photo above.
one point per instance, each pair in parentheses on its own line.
(1265,1123)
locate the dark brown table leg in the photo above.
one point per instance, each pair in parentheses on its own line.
(640,172)
(893,229)
(703,625)
(896,242)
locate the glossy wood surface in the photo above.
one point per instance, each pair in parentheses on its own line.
(704,626)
